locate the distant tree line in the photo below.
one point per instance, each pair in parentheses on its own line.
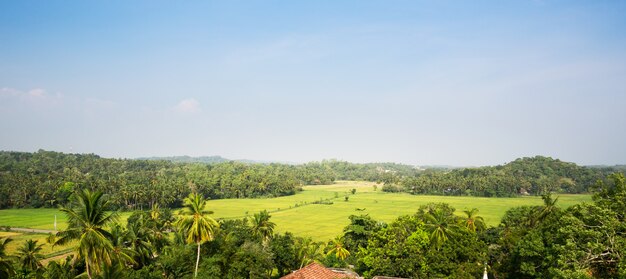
(583,241)
(533,176)
(46,178)
(586,240)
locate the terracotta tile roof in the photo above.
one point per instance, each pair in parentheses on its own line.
(316,271)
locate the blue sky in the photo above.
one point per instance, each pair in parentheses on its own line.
(417,82)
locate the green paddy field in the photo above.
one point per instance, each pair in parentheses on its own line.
(299,215)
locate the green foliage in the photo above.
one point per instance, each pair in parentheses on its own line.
(195,223)
(262,227)
(174,263)
(397,250)
(472,221)
(63,269)
(584,241)
(284,254)
(357,233)
(6,266)
(29,257)
(87,217)
(439,221)
(251,261)
(612,194)
(336,248)
(46,179)
(535,176)
(429,244)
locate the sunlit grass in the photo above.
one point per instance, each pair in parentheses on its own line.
(20,238)
(323,222)
(299,215)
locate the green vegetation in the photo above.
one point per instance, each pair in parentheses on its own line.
(303,214)
(47,179)
(266,222)
(525,176)
(88,215)
(300,214)
(196,224)
(433,240)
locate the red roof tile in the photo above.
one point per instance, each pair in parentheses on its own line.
(315,271)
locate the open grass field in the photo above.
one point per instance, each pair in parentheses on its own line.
(323,222)
(19,238)
(299,215)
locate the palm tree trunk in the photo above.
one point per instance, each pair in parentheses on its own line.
(197,261)
(87,267)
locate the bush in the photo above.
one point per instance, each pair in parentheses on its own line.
(392,188)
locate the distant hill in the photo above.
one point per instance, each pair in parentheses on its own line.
(529,175)
(189,159)
(209,160)
(48,178)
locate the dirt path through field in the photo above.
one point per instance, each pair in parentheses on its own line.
(29,230)
(55,258)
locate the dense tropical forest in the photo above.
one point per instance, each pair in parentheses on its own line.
(46,179)
(583,241)
(534,176)
(547,241)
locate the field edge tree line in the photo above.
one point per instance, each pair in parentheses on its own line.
(583,241)
(47,178)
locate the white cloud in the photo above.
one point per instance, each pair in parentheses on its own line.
(188,106)
(8,92)
(35,95)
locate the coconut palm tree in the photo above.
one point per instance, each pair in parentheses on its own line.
(195,223)
(472,221)
(121,253)
(87,217)
(337,248)
(6,268)
(549,207)
(61,269)
(28,255)
(308,251)
(111,272)
(441,225)
(140,240)
(262,227)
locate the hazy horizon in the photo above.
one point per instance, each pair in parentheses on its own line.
(263,161)
(415,82)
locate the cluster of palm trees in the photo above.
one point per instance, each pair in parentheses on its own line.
(140,242)
(6,267)
(196,224)
(442,224)
(104,246)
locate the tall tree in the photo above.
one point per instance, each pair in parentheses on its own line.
(308,251)
(472,221)
(196,223)
(262,227)
(336,247)
(440,221)
(87,216)
(6,267)
(29,255)
(61,269)
(356,234)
